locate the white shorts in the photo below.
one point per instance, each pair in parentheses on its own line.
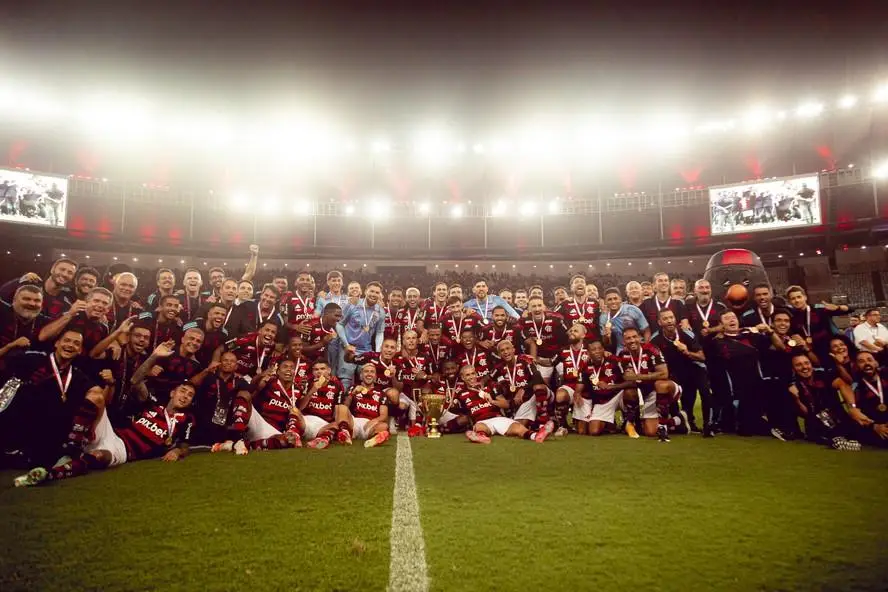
(313,425)
(447,417)
(360,428)
(649,406)
(259,429)
(583,410)
(605,411)
(497,425)
(528,409)
(411,405)
(107,439)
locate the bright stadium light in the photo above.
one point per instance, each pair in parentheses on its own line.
(270,206)
(527,209)
(238,202)
(478,148)
(499,208)
(433,147)
(349,210)
(425,208)
(847,102)
(811,109)
(380,146)
(302,208)
(881,171)
(554,207)
(756,119)
(117,116)
(456,211)
(378,208)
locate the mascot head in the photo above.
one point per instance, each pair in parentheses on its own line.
(733,273)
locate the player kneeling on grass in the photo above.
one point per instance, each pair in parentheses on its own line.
(157,431)
(644,365)
(364,413)
(486,412)
(814,394)
(450,421)
(602,393)
(315,420)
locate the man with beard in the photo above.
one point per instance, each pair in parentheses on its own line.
(249,315)
(644,365)
(603,393)
(469,353)
(360,331)
(192,300)
(384,360)
(300,306)
(409,318)
(685,361)
(216,275)
(38,415)
(166,321)
(520,300)
(580,309)
(704,316)
(131,340)
(814,394)
(447,385)
(869,401)
(166,282)
(618,317)
(395,303)
(573,359)
(86,279)
(223,409)
(519,382)
(315,419)
(661,299)
(490,335)
(738,352)
(302,366)
(456,320)
(764,307)
(364,410)
(434,309)
(254,351)
(122,304)
(633,293)
(21,322)
(412,373)
(89,318)
(56,288)
(483,303)
(485,411)
(214,333)
(543,333)
(169,366)
(226,297)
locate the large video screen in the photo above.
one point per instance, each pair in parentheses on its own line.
(765,205)
(33,198)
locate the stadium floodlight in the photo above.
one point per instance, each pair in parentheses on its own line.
(456,211)
(349,210)
(881,171)
(499,208)
(378,208)
(810,109)
(302,208)
(478,148)
(847,102)
(238,202)
(425,208)
(554,207)
(433,147)
(117,116)
(270,206)
(527,209)
(881,94)
(757,118)
(380,146)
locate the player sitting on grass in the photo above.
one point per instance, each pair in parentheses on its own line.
(486,413)
(364,413)
(314,420)
(603,393)
(222,407)
(814,394)
(157,431)
(449,385)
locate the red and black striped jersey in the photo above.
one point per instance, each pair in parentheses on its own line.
(300,309)
(12,326)
(586,313)
(573,362)
(452,328)
(274,402)
(477,403)
(93,330)
(385,371)
(549,333)
(520,374)
(323,402)
(407,368)
(155,431)
(366,403)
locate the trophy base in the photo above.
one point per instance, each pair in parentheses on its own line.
(434,435)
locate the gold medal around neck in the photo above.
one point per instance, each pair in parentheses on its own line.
(608,325)
(539,341)
(676,342)
(753,330)
(360,389)
(705,324)
(809,340)
(513,388)
(791,343)
(388,372)
(595,381)
(882,407)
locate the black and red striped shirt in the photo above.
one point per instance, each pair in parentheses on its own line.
(155,431)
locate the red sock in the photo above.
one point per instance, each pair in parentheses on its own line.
(542,405)
(294,426)
(561,410)
(243,409)
(343,427)
(273,443)
(82,427)
(75,468)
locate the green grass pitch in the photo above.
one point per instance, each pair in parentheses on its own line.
(581,513)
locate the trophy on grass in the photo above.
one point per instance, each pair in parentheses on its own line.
(433,407)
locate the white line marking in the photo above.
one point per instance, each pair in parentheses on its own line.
(407,570)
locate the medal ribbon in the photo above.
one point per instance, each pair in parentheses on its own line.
(63,385)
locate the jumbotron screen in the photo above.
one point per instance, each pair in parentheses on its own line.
(33,198)
(765,205)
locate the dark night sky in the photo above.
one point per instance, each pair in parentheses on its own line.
(387,62)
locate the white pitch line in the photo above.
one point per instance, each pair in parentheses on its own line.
(407,571)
